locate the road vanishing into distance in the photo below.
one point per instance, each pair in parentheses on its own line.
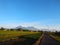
(47,40)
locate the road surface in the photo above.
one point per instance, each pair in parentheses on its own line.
(47,40)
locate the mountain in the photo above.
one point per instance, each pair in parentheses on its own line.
(20,27)
(31,28)
(28,28)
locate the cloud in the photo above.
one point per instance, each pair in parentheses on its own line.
(33,24)
(42,26)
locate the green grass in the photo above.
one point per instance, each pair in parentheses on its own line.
(34,36)
(55,36)
(4,35)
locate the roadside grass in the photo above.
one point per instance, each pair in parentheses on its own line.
(29,39)
(55,36)
(34,36)
(4,35)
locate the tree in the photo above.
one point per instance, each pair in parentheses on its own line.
(19,29)
(11,29)
(57,33)
(2,28)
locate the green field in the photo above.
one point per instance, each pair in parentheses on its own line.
(6,35)
(55,36)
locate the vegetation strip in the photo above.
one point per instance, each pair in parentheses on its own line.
(56,38)
(28,38)
(7,35)
(38,41)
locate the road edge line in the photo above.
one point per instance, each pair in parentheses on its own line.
(39,40)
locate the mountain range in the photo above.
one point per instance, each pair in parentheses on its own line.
(28,28)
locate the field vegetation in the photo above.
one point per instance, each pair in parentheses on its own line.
(55,35)
(5,35)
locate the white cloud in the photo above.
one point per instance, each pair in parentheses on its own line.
(34,24)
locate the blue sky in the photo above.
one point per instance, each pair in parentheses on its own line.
(37,12)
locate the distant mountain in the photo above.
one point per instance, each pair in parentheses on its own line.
(28,28)
(31,28)
(20,27)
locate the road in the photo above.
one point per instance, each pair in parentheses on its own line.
(47,40)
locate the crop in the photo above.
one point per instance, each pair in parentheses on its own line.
(4,35)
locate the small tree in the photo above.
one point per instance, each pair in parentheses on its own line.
(2,28)
(11,29)
(57,33)
(19,29)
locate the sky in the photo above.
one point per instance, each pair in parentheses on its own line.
(37,13)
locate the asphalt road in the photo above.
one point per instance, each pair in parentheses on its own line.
(47,40)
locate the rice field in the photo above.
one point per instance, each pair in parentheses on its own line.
(5,35)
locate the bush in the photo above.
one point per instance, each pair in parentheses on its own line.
(57,33)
